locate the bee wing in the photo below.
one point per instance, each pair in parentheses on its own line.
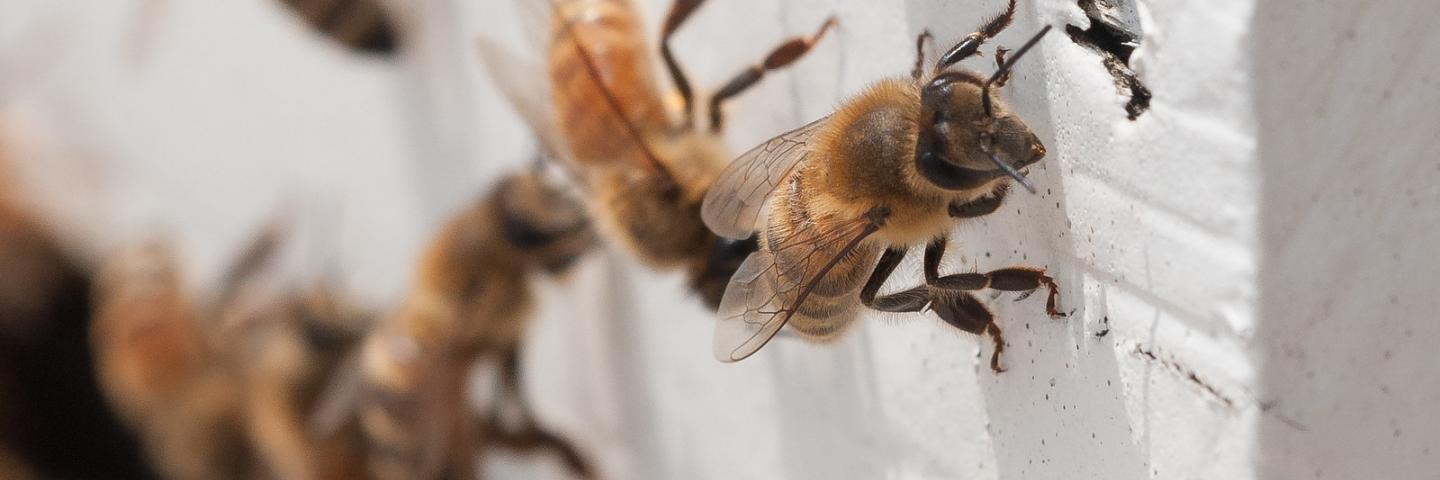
(733,205)
(773,282)
(339,400)
(518,81)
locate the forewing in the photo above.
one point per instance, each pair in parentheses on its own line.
(735,201)
(770,286)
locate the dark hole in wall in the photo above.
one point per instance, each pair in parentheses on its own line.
(1114,34)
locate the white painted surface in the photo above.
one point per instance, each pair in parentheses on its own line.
(1259,245)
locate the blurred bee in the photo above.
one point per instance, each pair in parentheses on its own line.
(471,302)
(158,370)
(284,342)
(646,171)
(293,346)
(892,168)
(360,25)
(224,393)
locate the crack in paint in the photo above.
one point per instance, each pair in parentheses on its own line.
(1114,35)
(1185,373)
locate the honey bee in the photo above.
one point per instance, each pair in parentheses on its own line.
(224,392)
(647,172)
(158,370)
(891,168)
(471,302)
(283,339)
(360,25)
(294,346)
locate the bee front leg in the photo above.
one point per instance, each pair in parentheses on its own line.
(980,207)
(1013,279)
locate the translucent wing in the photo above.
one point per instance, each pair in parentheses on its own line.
(732,206)
(773,284)
(522,83)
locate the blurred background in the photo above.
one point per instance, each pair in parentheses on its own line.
(211,214)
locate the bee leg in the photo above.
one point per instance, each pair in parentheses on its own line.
(1000,63)
(963,311)
(1028,279)
(533,438)
(679,12)
(1013,279)
(970,45)
(528,434)
(783,55)
(999,340)
(511,391)
(911,300)
(920,43)
(980,207)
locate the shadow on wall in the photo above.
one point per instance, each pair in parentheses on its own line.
(1346,96)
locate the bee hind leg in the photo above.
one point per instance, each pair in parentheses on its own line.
(781,56)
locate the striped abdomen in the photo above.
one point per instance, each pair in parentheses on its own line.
(801,244)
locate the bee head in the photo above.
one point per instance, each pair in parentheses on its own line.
(967,137)
(544,223)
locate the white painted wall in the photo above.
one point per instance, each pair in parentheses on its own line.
(1258,245)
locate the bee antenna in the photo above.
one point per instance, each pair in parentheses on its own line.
(1013,173)
(614,103)
(1009,62)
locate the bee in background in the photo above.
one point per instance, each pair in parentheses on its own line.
(360,25)
(851,193)
(224,392)
(471,302)
(288,349)
(646,168)
(159,371)
(284,338)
